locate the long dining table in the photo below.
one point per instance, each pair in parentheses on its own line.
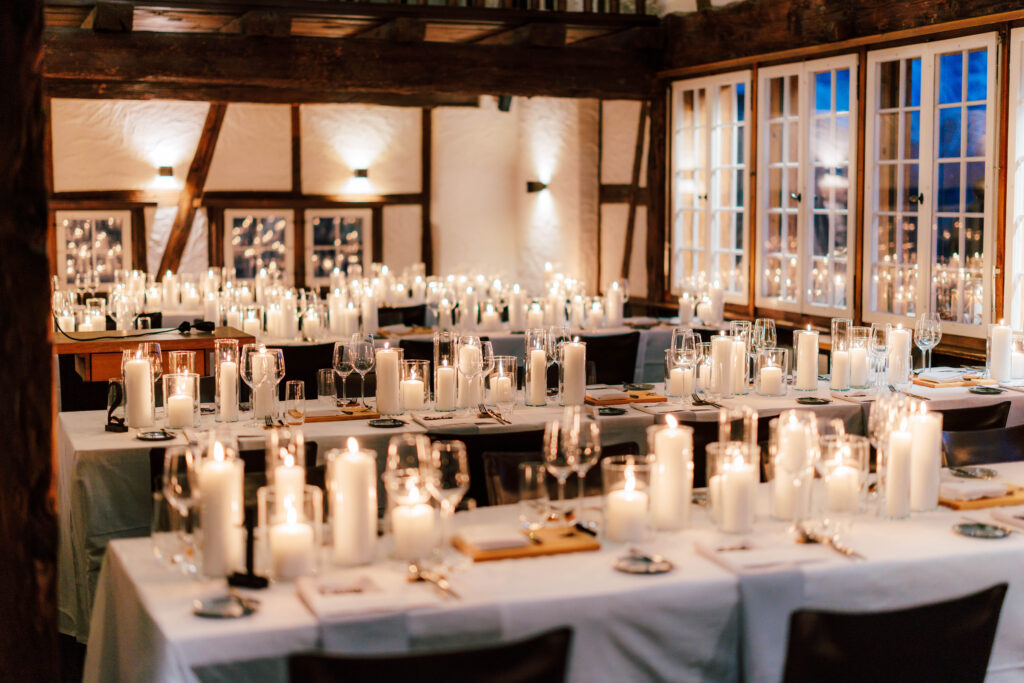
(691,624)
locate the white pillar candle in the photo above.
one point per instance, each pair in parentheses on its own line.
(289,320)
(369,309)
(685,309)
(220,480)
(738,371)
(138,385)
(925,461)
(898,353)
(538,385)
(680,381)
(842,487)
(516,310)
(263,383)
(1000,363)
(717,295)
(211,309)
(228,391)
(180,411)
(275,327)
(291,548)
(501,389)
(388,401)
(412,394)
(576,312)
(897,474)
(672,479)
(289,484)
(613,305)
(490,319)
(335,305)
(412,527)
(1016,365)
(595,317)
(807,361)
(444,391)
(574,373)
(535,317)
(251,326)
(354,508)
(234,319)
(704,313)
(770,380)
(858,366)
(349,320)
(626,514)
(721,365)
(715,497)
(66,322)
(840,377)
(738,487)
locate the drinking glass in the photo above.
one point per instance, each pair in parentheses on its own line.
(585,433)
(626,481)
(770,366)
(503,385)
(538,359)
(447,480)
(180,486)
(342,362)
(878,348)
(534,501)
(843,467)
(295,402)
(152,349)
(326,390)
(732,485)
(363,358)
(682,339)
(765,336)
(414,387)
(860,352)
(181,362)
(245,368)
(792,453)
(560,455)
(839,370)
(927,334)
(475,360)
(166,532)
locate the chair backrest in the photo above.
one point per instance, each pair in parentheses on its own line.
(944,641)
(614,356)
(302,362)
(414,316)
(985,446)
(478,444)
(541,659)
(977,417)
(419,349)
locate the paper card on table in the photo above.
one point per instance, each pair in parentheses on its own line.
(740,555)
(1013,517)
(617,397)
(492,537)
(435,420)
(553,541)
(355,593)
(665,408)
(943,374)
(963,490)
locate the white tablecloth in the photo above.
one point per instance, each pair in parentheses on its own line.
(681,626)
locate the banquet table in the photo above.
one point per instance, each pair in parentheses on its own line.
(686,625)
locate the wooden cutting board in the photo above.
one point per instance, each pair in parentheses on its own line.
(1014,496)
(358,413)
(624,398)
(553,541)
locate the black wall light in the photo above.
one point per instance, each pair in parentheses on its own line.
(535,186)
(361,173)
(166,171)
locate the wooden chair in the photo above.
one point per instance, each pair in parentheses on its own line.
(944,641)
(984,446)
(478,444)
(414,316)
(541,659)
(978,417)
(614,356)
(302,363)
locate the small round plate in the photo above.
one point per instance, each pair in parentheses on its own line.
(973,472)
(385,423)
(812,401)
(608,411)
(985,391)
(224,607)
(978,530)
(638,565)
(637,387)
(156,435)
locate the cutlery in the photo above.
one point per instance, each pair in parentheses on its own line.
(534,538)
(646,557)
(1004,527)
(808,536)
(698,401)
(487,411)
(894,390)
(972,472)
(416,573)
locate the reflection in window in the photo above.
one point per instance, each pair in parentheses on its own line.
(93,246)
(258,241)
(781,241)
(337,242)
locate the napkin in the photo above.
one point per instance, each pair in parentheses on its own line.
(436,421)
(1009,516)
(942,374)
(746,555)
(967,489)
(351,595)
(492,537)
(319,410)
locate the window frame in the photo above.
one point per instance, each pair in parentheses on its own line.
(288,275)
(1013,267)
(805,182)
(710,195)
(366,214)
(127,255)
(928,161)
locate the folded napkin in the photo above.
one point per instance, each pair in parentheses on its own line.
(434,420)
(614,394)
(952,488)
(943,374)
(1013,517)
(320,410)
(492,537)
(669,407)
(338,597)
(745,555)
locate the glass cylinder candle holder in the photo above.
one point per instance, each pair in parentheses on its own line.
(805,348)
(536,384)
(138,377)
(445,370)
(843,466)
(792,453)
(860,357)
(672,473)
(839,373)
(290,526)
(703,377)
(627,498)
(221,533)
(225,370)
(252,322)
(572,372)
(732,487)
(737,424)
(1017,356)
(719,381)
(415,387)
(352,504)
(503,384)
(999,352)
(181,361)
(181,399)
(233,316)
(388,366)
(413,524)
(770,371)
(680,376)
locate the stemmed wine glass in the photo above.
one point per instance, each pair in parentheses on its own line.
(447,480)
(878,346)
(560,455)
(765,336)
(927,334)
(557,335)
(342,363)
(475,361)
(152,349)
(585,433)
(278,355)
(363,358)
(181,491)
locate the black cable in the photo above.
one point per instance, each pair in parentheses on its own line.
(184,328)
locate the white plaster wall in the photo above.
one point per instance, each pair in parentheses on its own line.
(119,145)
(476,189)
(618,142)
(401,236)
(194,259)
(613,240)
(254,150)
(339,138)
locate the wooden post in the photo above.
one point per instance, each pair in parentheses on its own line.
(658,107)
(426,173)
(638,153)
(28,525)
(299,219)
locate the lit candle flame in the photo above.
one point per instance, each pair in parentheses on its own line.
(353,445)
(671,421)
(630,480)
(218,451)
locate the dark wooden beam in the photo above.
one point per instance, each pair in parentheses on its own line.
(260,22)
(139,258)
(28,524)
(215,236)
(397,30)
(108,196)
(638,153)
(317,65)
(296,149)
(536,34)
(377,249)
(759,27)
(635,38)
(620,194)
(193,190)
(116,17)
(656,218)
(284,200)
(426,188)
(299,222)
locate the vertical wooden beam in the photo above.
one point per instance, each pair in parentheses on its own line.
(377,250)
(139,238)
(215,236)
(193,190)
(656,196)
(28,525)
(427,184)
(600,159)
(1002,159)
(299,227)
(51,231)
(751,200)
(638,153)
(861,222)
(299,219)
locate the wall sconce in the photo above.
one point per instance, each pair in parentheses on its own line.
(535,186)
(361,173)
(166,171)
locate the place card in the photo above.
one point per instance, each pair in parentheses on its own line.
(745,554)
(357,593)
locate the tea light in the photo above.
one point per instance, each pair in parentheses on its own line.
(501,389)
(858,366)
(413,529)
(354,505)
(291,546)
(626,518)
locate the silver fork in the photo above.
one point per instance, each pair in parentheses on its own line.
(487,411)
(698,401)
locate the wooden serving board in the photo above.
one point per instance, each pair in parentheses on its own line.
(1014,496)
(359,413)
(624,398)
(966,381)
(553,541)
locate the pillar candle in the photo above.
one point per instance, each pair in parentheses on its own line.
(66,322)
(807,360)
(412,394)
(574,373)
(413,529)
(925,461)
(490,319)
(219,482)
(842,487)
(576,312)
(289,483)
(840,378)
(1017,365)
(715,497)
(291,548)
(501,389)
(535,317)
(595,317)
(275,327)
(228,391)
(672,479)
(335,305)
(626,514)
(538,385)
(211,309)
(770,380)
(738,371)
(738,484)
(263,382)
(721,365)
(897,474)
(180,412)
(289,320)
(251,326)
(516,310)
(898,353)
(369,309)
(685,309)
(613,305)
(717,295)
(388,401)
(1000,358)
(349,320)
(858,367)
(704,313)
(138,385)
(680,381)
(789,494)
(354,506)
(234,319)
(444,390)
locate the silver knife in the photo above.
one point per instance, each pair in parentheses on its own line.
(440,582)
(842,549)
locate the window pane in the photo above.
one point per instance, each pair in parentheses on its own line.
(911,187)
(951,78)
(258,242)
(913,135)
(775,142)
(976,131)
(947,239)
(888,136)
(977,75)
(887,188)
(823,92)
(820,244)
(842,144)
(324,232)
(949,188)
(775,187)
(888,85)
(843,90)
(741,113)
(975,187)
(949,132)
(775,95)
(913,90)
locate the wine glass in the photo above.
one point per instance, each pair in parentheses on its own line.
(181,491)
(878,346)
(361,352)
(765,336)
(152,349)
(557,335)
(534,502)
(447,480)
(278,355)
(343,364)
(927,334)
(585,433)
(681,338)
(560,455)
(475,359)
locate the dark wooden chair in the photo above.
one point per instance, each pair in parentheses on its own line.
(414,316)
(419,349)
(614,356)
(302,363)
(983,447)
(977,417)
(705,433)
(944,641)
(541,659)
(478,444)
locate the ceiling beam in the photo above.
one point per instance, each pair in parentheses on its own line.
(536,34)
(116,17)
(397,30)
(193,190)
(260,22)
(321,67)
(636,38)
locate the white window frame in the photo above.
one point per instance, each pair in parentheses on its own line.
(710,195)
(288,276)
(93,214)
(1013,270)
(365,214)
(928,168)
(805,182)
